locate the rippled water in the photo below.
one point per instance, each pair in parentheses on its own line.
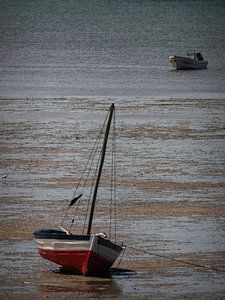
(110,48)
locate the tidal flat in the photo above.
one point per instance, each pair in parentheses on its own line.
(170,195)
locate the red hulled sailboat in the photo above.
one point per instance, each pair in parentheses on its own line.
(89,253)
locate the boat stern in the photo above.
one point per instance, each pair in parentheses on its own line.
(103,255)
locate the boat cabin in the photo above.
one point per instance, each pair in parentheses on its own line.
(196,56)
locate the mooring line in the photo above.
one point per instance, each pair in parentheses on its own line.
(121,257)
(176,260)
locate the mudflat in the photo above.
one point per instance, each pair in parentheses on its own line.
(170,196)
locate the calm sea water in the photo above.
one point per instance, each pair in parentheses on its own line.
(102,48)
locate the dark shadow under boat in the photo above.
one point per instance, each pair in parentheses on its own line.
(111,272)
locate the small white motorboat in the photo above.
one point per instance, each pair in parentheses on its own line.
(192,61)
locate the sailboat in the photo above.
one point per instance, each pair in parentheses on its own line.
(87,253)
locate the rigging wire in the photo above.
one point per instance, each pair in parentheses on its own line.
(111,193)
(112,213)
(114,177)
(91,190)
(175,259)
(89,161)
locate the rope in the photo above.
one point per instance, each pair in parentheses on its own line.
(112,208)
(124,249)
(115,176)
(91,190)
(176,260)
(87,168)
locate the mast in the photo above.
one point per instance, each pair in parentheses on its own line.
(111,110)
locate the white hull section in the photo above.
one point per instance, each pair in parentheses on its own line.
(186,63)
(62,245)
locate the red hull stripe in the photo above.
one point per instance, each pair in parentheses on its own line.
(83,262)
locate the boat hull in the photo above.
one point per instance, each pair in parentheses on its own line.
(186,63)
(86,255)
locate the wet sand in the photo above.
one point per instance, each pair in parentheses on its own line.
(171,196)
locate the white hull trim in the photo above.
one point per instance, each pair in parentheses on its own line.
(186,63)
(100,246)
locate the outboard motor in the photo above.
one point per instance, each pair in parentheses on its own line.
(199,56)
